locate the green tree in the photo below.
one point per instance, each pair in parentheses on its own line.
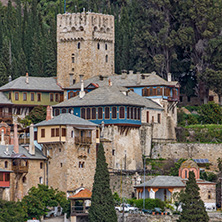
(102,207)
(174,171)
(40,198)
(11,211)
(192,206)
(3,74)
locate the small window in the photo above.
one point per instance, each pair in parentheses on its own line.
(152,119)
(63,110)
(107,112)
(38,97)
(70,110)
(24,179)
(114,112)
(185,173)
(147,117)
(100,113)
(63,132)
(106,47)
(81,164)
(106,58)
(57,97)
(122,112)
(131,112)
(128,113)
(88,113)
(97,133)
(16,96)
(57,132)
(158,118)
(79,45)
(98,46)
(6,164)
(32,96)
(41,165)
(51,97)
(1,176)
(40,180)
(52,132)
(83,113)
(35,135)
(57,112)
(24,96)
(113,152)
(151,91)
(181,98)
(61,164)
(93,113)
(188,98)
(42,133)
(88,150)
(135,113)
(138,113)
(73,59)
(60,150)
(10,95)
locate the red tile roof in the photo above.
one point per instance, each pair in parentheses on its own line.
(83,194)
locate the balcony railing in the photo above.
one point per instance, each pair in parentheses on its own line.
(5,115)
(79,210)
(24,140)
(20,169)
(83,140)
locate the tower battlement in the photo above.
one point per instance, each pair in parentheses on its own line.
(85,26)
(85,43)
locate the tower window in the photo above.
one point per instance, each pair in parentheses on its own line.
(98,46)
(41,165)
(106,58)
(106,47)
(6,164)
(78,45)
(73,59)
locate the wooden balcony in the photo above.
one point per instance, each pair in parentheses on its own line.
(83,140)
(4,116)
(24,141)
(20,166)
(79,211)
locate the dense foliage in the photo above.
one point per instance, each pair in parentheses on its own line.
(149,203)
(102,207)
(192,206)
(40,198)
(181,37)
(11,211)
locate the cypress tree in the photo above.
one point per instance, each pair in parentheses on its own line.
(102,207)
(192,205)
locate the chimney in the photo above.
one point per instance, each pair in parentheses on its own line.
(71,79)
(169,77)
(138,78)
(6,148)
(16,145)
(123,74)
(31,139)
(48,113)
(10,78)
(27,78)
(110,82)
(82,92)
(2,138)
(130,72)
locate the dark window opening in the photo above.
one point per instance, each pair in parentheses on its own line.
(98,46)
(51,97)
(88,113)
(93,113)
(38,97)
(24,96)
(106,47)
(128,113)
(83,113)
(63,132)
(122,112)
(79,45)
(100,113)
(57,132)
(42,133)
(6,164)
(158,118)
(106,58)
(107,112)
(41,165)
(114,113)
(32,96)
(57,112)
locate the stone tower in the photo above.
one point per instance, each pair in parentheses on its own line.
(85,43)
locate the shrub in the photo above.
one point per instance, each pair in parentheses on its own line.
(149,203)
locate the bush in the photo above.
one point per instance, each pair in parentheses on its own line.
(149,203)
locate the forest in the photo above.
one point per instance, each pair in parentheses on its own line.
(180,37)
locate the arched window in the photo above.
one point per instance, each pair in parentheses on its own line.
(40,180)
(57,112)
(122,112)
(131,112)
(73,58)
(93,113)
(100,113)
(24,179)
(185,173)
(79,45)
(128,113)
(98,46)
(106,47)
(6,164)
(114,112)
(83,113)
(106,58)
(88,113)
(107,112)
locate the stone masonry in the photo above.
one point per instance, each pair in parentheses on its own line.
(85,43)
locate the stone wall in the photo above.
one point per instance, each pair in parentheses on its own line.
(188,150)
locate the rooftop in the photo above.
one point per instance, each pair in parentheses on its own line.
(4,100)
(66,119)
(83,194)
(34,83)
(109,95)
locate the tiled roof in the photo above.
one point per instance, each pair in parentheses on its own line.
(150,79)
(66,119)
(4,100)
(109,95)
(22,152)
(35,83)
(83,194)
(163,181)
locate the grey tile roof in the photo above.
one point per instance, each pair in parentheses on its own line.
(35,83)
(4,100)
(5,170)
(22,151)
(163,181)
(150,79)
(66,119)
(109,95)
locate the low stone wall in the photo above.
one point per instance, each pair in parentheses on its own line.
(188,150)
(214,217)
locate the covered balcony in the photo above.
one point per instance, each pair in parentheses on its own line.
(20,165)
(84,137)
